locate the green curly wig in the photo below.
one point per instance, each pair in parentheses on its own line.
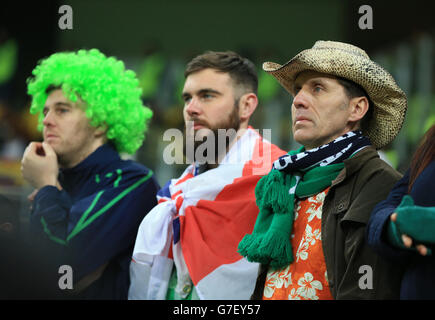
(112,93)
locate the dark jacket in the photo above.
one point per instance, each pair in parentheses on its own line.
(93,220)
(365,181)
(419,278)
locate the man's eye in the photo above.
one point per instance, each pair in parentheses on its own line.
(317,88)
(187,99)
(62,110)
(206,96)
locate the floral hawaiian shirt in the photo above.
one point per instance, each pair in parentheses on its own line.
(305,278)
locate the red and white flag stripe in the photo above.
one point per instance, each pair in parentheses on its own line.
(198,224)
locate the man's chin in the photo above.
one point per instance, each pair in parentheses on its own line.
(302,138)
(56,148)
(51,140)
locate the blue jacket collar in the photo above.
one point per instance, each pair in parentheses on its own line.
(100,158)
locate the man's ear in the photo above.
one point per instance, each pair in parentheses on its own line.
(100,131)
(247,105)
(359,107)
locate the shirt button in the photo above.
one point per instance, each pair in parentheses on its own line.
(340,206)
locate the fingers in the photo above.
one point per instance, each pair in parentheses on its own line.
(39,148)
(27,150)
(421,249)
(39,165)
(29,153)
(35,145)
(32,148)
(31,196)
(407,241)
(393,217)
(40,151)
(48,149)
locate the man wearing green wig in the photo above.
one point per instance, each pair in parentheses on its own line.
(88,202)
(316,201)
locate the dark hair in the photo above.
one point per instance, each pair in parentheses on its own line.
(353,90)
(424,154)
(241,70)
(51,88)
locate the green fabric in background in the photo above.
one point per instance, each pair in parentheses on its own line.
(414,221)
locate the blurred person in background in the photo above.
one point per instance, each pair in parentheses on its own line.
(88,202)
(26,272)
(12,140)
(9,218)
(316,201)
(402,227)
(186,247)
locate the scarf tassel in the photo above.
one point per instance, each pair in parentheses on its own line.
(274,196)
(274,247)
(278,248)
(248,248)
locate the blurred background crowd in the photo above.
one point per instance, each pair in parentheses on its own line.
(157,38)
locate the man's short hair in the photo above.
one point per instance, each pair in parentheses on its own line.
(111,92)
(241,70)
(354,90)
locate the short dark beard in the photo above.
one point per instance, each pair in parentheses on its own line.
(233,122)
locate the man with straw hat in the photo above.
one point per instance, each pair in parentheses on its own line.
(316,201)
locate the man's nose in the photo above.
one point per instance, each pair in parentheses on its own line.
(300,100)
(48,119)
(193,107)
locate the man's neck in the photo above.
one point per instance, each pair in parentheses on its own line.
(75,159)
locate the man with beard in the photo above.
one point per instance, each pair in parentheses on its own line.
(186,247)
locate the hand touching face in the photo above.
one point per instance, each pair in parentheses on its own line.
(39,165)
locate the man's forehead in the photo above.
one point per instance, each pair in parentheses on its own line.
(210,78)
(311,77)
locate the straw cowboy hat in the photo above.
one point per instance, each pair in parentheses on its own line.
(352,63)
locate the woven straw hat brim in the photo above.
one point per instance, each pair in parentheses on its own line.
(389,100)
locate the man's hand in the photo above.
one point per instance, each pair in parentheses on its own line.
(32,196)
(407,240)
(39,165)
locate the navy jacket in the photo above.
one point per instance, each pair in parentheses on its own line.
(95,218)
(419,276)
